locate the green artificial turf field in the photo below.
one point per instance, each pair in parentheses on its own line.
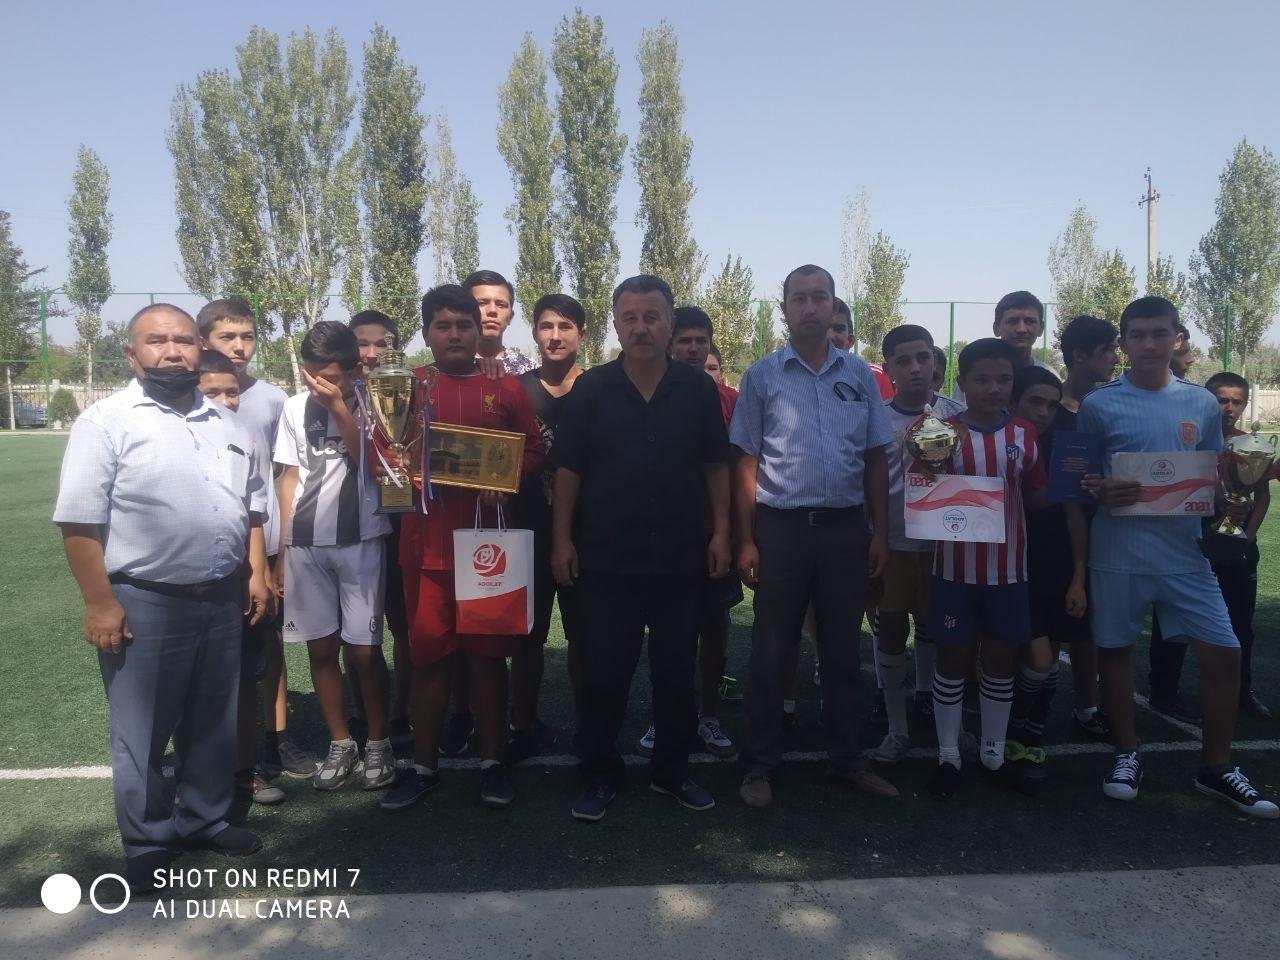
(52,714)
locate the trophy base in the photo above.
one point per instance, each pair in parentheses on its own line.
(394,499)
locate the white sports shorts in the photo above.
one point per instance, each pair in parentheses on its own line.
(335,589)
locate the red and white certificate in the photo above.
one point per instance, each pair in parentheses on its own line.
(953,508)
(1181,483)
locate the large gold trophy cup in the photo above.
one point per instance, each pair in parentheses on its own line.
(392,389)
(931,441)
(1245,465)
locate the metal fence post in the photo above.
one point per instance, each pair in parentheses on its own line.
(951,350)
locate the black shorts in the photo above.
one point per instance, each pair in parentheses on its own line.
(1049,617)
(254,639)
(723,594)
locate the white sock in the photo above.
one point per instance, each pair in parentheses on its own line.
(893,668)
(947,717)
(995,695)
(384,742)
(925,657)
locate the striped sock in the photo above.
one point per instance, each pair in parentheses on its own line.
(995,695)
(1024,722)
(1040,707)
(947,717)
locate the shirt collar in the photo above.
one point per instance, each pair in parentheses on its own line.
(137,397)
(834,358)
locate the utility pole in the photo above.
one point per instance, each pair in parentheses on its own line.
(1149,201)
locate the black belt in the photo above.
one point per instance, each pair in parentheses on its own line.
(818,516)
(180,590)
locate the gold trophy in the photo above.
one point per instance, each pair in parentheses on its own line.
(392,388)
(1245,465)
(931,442)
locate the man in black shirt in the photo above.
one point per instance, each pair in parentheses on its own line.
(642,454)
(558,321)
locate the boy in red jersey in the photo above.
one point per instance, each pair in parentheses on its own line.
(456,393)
(983,586)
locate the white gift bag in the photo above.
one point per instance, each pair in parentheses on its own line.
(493,580)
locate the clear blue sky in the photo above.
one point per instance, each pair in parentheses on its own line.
(975,127)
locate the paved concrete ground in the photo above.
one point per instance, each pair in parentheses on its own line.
(1164,915)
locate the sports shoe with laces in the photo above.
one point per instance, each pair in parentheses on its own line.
(1126,777)
(645,746)
(496,787)
(411,786)
(290,759)
(1233,787)
(252,785)
(687,793)
(379,765)
(713,738)
(337,766)
(593,801)
(892,748)
(1097,727)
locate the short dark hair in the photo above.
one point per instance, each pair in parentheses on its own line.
(939,358)
(489,278)
(804,270)
(715,352)
(988,348)
(211,361)
(839,306)
(1146,308)
(562,304)
(906,333)
(645,283)
(156,308)
(689,318)
(331,342)
(1033,376)
(1019,300)
(227,308)
(449,296)
(1181,328)
(376,318)
(1085,333)
(1226,378)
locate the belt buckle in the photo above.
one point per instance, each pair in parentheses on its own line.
(812,518)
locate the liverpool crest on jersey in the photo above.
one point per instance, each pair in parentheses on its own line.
(1188,432)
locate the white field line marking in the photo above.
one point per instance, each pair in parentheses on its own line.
(567,760)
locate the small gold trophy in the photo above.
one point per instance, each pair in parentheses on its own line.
(392,390)
(1247,460)
(931,442)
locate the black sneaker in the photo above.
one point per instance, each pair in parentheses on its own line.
(924,704)
(945,781)
(496,788)
(251,785)
(1252,707)
(457,734)
(688,794)
(288,758)
(1233,787)
(140,871)
(1028,773)
(1126,777)
(1097,727)
(593,801)
(230,841)
(1176,707)
(411,785)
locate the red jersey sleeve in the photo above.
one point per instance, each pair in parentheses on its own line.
(1034,474)
(520,415)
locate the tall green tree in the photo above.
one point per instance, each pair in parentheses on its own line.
(525,140)
(89,272)
(661,159)
(728,303)
(392,182)
(464,236)
(19,319)
(590,163)
(442,186)
(1169,282)
(1075,266)
(1116,288)
(1238,261)
(765,339)
(855,246)
(886,273)
(265,178)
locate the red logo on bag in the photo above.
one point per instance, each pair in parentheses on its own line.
(490,560)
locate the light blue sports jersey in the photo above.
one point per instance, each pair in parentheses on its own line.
(1182,416)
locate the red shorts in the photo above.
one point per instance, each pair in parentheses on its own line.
(432,636)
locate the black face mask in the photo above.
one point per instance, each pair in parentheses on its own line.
(169,385)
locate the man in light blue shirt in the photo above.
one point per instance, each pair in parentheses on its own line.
(811,434)
(160,504)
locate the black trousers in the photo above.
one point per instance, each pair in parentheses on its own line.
(546,592)
(804,554)
(614,610)
(1239,585)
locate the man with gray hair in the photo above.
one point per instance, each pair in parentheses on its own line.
(161,507)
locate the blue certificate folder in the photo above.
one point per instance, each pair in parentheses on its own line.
(1074,454)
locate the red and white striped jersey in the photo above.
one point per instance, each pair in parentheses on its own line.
(1009,451)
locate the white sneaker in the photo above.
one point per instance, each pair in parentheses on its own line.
(645,746)
(892,748)
(1126,777)
(714,739)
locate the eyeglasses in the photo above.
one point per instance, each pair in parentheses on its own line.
(846,391)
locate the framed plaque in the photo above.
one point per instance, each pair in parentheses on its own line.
(475,457)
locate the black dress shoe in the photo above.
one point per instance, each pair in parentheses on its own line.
(1251,706)
(139,871)
(231,841)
